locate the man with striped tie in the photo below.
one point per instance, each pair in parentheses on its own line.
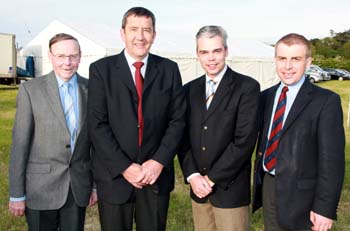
(50,164)
(220,137)
(300,153)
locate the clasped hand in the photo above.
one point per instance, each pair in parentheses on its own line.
(201,185)
(142,175)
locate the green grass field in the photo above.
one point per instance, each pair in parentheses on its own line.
(179,218)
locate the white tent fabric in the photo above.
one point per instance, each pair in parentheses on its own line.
(94,45)
(246,56)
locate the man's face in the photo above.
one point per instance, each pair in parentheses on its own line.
(291,62)
(65,58)
(211,54)
(138,36)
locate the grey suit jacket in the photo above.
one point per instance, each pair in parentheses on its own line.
(42,166)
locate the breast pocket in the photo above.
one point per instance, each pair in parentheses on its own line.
(162,100)
(228,112)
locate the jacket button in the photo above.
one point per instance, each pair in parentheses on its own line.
(260,153)
(204,148)
(68,146)
(205,128)
(204,169)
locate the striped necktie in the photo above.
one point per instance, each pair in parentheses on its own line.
(276,130)
(210,91)
(69,111)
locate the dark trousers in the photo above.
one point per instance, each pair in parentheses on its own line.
(269,205)
(70,217)
(148,207)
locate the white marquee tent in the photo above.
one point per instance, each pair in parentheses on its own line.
(249,57)
(92,45)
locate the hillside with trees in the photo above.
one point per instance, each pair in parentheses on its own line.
(332,51)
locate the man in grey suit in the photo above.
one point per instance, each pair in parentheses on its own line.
(50,164)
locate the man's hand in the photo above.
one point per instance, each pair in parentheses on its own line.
(152,170)
(320,223)
(17,208)
(134,175)
(200,186)
(211,183)
(93,198)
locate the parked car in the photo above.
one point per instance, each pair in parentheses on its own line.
(313,77)
(316,69)
(336,73)
(346,74)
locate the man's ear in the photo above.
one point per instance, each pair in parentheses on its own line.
(308,62)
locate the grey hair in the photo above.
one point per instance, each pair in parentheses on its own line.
(212,31)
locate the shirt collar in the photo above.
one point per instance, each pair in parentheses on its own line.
(73,81)
(131,60)
(294,87)
(217,78)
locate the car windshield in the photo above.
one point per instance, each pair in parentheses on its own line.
(341,71)
(316,68)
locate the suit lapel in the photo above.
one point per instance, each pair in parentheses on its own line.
(302,99)
(125,74)
(198,104)
(82,95)
(53,96)
(270,98)
(225,85)
(151,72)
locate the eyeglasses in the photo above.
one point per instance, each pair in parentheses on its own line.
(62,58)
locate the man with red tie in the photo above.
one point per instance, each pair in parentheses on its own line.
(300,153)
(136,113)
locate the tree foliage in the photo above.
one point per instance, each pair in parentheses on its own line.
(333,51)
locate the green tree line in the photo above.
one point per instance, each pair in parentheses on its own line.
(332,51)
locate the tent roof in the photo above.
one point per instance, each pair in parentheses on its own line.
(101,34)
(167,41)
(184,43)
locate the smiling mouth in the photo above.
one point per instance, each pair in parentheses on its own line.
(139,45)
(212,66)
(289,74)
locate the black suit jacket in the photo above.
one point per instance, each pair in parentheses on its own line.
(112,122)
(310,160)
(222,138)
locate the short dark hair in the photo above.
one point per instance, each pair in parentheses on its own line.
(61,37)
(292,39)
(139,12)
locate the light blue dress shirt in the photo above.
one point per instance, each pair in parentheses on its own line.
(291,95)
(74,84)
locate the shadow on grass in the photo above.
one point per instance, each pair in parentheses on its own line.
(10,87)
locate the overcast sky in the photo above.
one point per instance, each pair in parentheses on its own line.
(265,20)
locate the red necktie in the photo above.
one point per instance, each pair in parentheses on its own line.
(139,88)
(276,130)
